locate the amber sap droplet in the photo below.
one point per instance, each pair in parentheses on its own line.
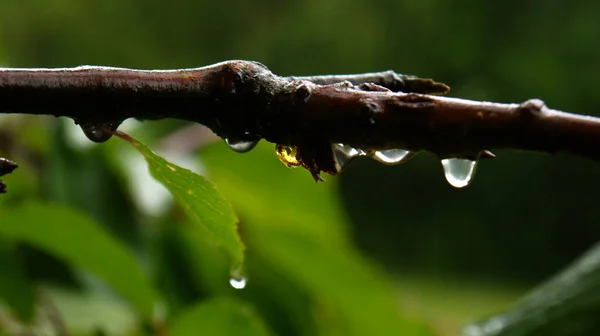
(392,156)
(459,172)
(287,155)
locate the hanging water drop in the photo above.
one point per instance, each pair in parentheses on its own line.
(348,150)
(344,154)
(238,283)
(459,172)
(243,144)
(392,156)
(99,132)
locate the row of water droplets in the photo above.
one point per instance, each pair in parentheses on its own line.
(458,171)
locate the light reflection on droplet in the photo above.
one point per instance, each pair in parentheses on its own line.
(459,172)
(344,154)
(238,283)
(392,156)
(241,145)
(349,150)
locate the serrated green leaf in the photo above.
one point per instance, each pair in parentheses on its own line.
(296,228)
(223,317)
(199,198)
(72,236)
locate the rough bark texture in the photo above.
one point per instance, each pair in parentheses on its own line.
(244,101)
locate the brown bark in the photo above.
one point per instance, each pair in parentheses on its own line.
(244,101)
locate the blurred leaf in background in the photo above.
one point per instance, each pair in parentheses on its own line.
(379,250)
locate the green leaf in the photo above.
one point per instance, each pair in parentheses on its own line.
(568,304)
(199,198)
(74,237)
(223,317)
(15,288)
(297,229)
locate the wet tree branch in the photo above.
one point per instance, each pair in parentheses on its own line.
(243,101)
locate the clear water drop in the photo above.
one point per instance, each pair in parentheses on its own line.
(242,145)
(459,172)
(99,132)
(392,156)
(344,154)
(238,283)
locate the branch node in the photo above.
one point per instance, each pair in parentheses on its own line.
(372,87)
(372,106)
(344,85)
(532,107)
(414,100)
(302,94)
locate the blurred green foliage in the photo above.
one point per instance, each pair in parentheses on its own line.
(379,250)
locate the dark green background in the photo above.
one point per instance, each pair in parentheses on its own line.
(525,216)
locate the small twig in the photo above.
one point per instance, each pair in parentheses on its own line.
(6,167)
(243,101)
(388,79)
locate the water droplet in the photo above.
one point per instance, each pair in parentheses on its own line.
(287,155)
(348,150)
(238,283)
(242,145)
(99,132)
(344,154)
(459,172)
(392,156)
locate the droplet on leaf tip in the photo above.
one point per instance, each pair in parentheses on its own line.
(459,172)
(238,283)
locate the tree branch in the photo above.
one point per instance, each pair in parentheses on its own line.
(242,101)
